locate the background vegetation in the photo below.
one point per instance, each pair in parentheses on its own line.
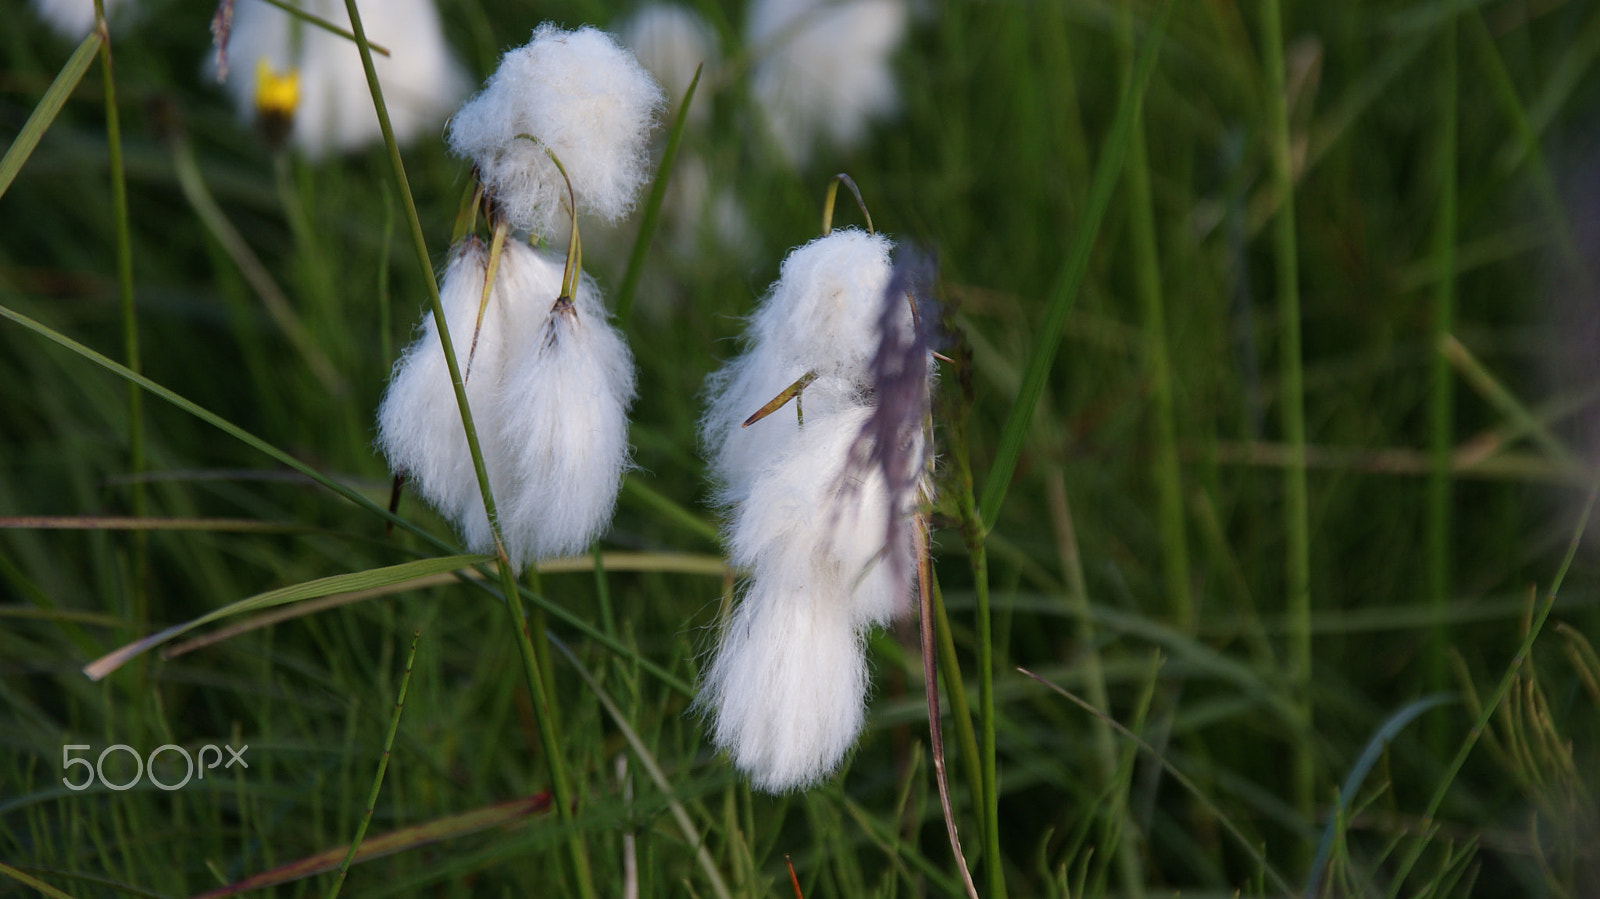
(1370,227)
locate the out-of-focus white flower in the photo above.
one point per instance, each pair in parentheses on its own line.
(671,41)
(823,70)
(581,95)
(786,687)
(549,384)
(421,78)
(73,19)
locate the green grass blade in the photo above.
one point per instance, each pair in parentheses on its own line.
(49,106)
(33,882)
(1358,773)
(383,765)
(405,572)
(652,206)
(1183,780)
(1107,173)
(653,768)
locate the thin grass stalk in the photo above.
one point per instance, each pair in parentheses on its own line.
(652,206)
(44,113)
(1064,291)
(1296,513)
(1094,679)
(930,684)
(548,729)
(1441,392)
(383,765)
(1147,278)
(1507,681)
(972,531)
(955,688)
(130,320)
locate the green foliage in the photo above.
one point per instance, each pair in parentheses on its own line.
(1110,268)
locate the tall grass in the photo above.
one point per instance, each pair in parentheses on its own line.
(1133,205)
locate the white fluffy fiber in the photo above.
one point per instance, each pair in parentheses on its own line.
(786,687)
(820,316)
(421,78)
(549,396)
(671,41)
(824,71)
(562,415)
(419,423)
(583,96)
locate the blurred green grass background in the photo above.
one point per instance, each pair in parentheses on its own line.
(1438,511)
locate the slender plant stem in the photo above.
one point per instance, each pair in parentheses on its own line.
(383,765)
(1105,744)
(549,731)
(931,686)
(1296,522)
(130,320)
(652,206)
(1442,389)
(1147,278)
(973,531)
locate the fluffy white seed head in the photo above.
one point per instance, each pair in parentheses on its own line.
(562,416)
(421,78)
(585,98)
(671,41)
(813,520)
(821,316)
(785,692)
(824,70)
(419,422)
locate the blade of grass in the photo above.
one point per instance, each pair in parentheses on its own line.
(549,726)
(1107,173)
(48,107)
(1506,403)
(1506,680)
(277,304)
(340,583)
(1358,773)
(653,768)
(1441,389)
(33,882)
(1147,278)
(402,840)
(1296,512)
(130,318)
(1183,780)
(652,205)
(383,765)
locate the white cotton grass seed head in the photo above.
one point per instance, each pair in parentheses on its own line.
(671,41)
(419,422)
(786,690)
(824,308)
(812,518)
(562,414)
(583,96)
(823,70)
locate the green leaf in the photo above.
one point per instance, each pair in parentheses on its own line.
(339,583)
(45,113)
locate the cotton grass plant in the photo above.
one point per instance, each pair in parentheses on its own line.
(1016,154)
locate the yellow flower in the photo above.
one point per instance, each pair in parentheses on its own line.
(277,96)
